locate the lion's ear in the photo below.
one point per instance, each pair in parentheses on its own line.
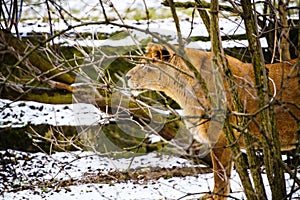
(158,51)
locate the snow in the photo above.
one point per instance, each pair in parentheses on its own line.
(83,9)
(71,166)
(91,9)
(32,169)
(165,28)
(122,191)
(21,113)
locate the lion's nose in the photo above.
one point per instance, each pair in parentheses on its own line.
(127,77)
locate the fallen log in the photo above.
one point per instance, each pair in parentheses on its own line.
(22,51)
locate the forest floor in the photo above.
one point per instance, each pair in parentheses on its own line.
(77,175)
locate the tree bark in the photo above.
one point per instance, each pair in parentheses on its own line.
(204,16)
(38,94)
(270,141)
(284,39)
(176,20)
(220,61)
(298,34)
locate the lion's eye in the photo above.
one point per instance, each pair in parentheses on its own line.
(157,55)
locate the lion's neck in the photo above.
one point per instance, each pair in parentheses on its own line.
(194,108)
(186,98)
(187,95)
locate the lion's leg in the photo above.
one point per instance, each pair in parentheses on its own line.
(222,166)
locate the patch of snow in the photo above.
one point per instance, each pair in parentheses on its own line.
(21,113)
(226,44)
(154,138)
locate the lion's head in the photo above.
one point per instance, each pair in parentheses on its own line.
(161,70)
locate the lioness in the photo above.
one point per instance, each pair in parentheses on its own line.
(179,83)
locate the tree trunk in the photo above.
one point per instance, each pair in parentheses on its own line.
(220,61)
(298,33)
(204,16)
(284,50)
(270,141)
(30,93)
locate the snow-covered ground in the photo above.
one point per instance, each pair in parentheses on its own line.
(22,113)
(35,21)
(34,169)
(163,27)
(70,175)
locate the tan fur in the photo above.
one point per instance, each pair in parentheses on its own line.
(179,83)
